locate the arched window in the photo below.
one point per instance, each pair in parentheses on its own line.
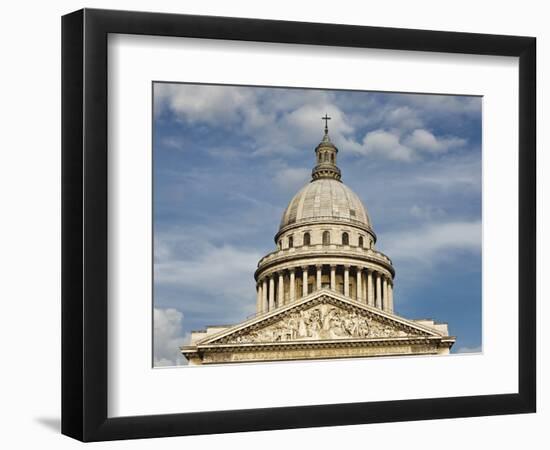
(326,237)
(280,245)
(345,238)
(290,242)
(332,157)
(307,239)
(361,241)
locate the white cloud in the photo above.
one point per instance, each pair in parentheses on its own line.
(167,337)
(267,116)
(423,140)
(403,117)
(290,179)
(283,121)
(221,273)
(446,104)
(433,243)
(386,144)
(214,269)
(215,105)
(458,174)
(390,144)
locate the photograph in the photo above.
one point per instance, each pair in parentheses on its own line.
(275,225)
(294,224)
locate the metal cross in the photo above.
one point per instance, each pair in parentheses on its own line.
(326,119)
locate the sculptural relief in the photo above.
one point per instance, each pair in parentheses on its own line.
(321,322)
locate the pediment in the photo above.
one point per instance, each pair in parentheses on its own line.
(325,316)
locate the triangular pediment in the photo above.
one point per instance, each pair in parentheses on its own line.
(324,315)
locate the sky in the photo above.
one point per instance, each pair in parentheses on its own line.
(228,159)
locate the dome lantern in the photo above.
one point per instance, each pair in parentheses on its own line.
(326,157)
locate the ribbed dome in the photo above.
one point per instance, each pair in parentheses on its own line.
(326,199)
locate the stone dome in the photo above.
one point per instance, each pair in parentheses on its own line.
(326,199)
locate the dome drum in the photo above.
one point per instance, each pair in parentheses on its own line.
(323,231)
(286,259)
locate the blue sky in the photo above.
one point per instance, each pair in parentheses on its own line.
(228,159)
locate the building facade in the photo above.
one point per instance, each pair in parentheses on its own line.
(325,292)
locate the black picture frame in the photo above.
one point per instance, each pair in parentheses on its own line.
(84,224)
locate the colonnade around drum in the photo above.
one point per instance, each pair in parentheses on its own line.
(361,284)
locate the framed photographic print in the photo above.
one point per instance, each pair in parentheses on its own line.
(273,224)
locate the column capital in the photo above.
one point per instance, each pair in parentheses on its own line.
(304,268)
(292,270)
(319,266)
(333,266)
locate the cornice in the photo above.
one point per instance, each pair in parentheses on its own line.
(328,220)
(328,344)
(317,257)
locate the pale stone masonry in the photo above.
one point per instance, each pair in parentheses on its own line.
(325,292)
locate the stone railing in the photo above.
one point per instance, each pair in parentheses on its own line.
(324,250)
(323,220)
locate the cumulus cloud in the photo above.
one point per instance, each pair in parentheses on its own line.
(283,121)
(268,117)
(432,243)
(168,337)
(214,269)
(215,105)
(386,144)
(423,140)
(403,117)
(446,104)
(217,278)
(392,145)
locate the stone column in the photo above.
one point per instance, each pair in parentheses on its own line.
(259,298)
(378,290)
(385,293)
(292,287)
(346,281)
(370,289)
(281,290)
(304,280)
(319,275)
(271,292)
(265,304)
(359,285)
(390,297)
(333,277)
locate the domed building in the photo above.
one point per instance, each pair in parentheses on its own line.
(325,292)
